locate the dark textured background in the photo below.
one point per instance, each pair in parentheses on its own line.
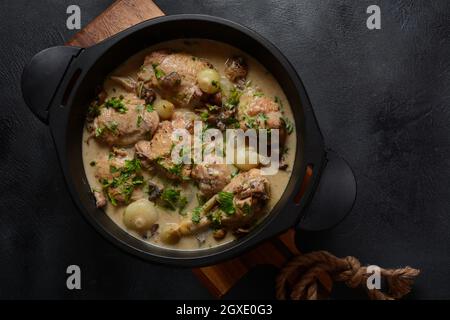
(382,101)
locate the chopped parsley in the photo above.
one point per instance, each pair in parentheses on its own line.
(158,72)
(137,180)
(99,131)
(132,166)
(232,122)
(112,126)
(216,219)
(250,122)
(262,118)
(204,115)
(288,125)
(149,107)
(196,215)
(258,94)
(117,104)
(113,169)
(112,199)
(279,102)
(139,121)
(225,200)
(233,98)
(176,169)
(172,199)
(125,182)
(212,107)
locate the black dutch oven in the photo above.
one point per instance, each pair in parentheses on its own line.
(59,83)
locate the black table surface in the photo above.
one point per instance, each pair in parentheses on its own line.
(382,99)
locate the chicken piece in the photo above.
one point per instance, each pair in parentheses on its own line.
(211,176)
(127,83)
(236,69)
(137,87)
(160,146)
(250,192)
(124,121)
(259,112)
(174,75)
(119,175)
(183,119)
(159,151)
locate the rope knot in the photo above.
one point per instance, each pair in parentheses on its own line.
(304,273)
(355,274)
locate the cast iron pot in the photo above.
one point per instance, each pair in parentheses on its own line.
(59,83)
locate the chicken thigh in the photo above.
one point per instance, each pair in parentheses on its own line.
(174,75)
(124,121)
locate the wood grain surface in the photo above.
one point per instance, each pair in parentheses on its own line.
(121,15)
(220,278)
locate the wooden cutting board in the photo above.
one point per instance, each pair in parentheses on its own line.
(217,278)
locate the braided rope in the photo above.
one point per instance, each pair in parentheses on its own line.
(307,274)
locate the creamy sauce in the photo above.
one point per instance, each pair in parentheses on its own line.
(217,54)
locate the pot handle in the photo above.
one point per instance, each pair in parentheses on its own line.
(334,196)
(43,75)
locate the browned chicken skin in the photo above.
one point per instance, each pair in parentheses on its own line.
(159,151)
(125,128)
(107,168)
(259,111)
(174,75)
(211,177)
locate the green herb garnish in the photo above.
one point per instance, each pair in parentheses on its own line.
(132,166)
(125,182)
(99,131)
(279,102)
(173,200)
(113,169)
(139,121)
(250,122)
(262,118)
(233,98)
(112,126)
(288,125)
(158,72)
(216,219)
(176,169)
(149,107)
(196,215)
(117,104)
(204,116)
(225,200)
